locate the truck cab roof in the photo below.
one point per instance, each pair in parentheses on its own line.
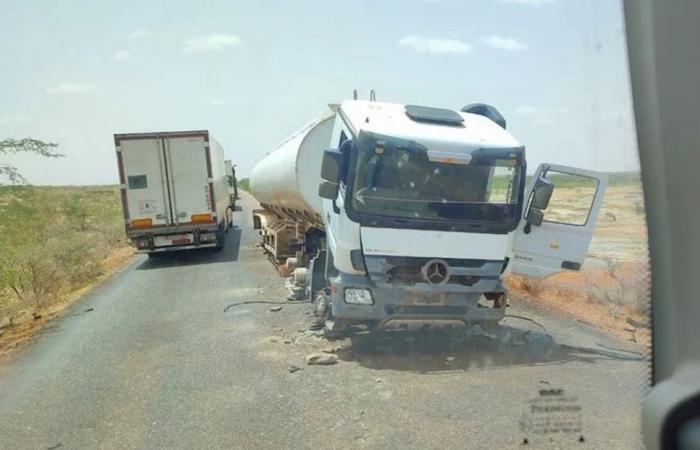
(473,132)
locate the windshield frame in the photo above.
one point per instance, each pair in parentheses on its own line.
(368,219)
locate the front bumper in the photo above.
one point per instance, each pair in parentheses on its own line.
(419,303)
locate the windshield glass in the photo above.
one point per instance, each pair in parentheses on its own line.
(398,179)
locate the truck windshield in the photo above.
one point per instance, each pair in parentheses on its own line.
(398,179)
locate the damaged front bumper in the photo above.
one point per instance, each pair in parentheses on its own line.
(421,304)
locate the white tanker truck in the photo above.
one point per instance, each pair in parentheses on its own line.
(393,215)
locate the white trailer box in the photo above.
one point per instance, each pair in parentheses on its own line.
(174,190)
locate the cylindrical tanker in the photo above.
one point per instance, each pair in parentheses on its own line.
(287,179)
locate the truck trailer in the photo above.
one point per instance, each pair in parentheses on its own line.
(395,216)
(174,190)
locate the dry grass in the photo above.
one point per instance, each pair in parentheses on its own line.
(55,243)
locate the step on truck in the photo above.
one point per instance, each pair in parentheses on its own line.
(391,215)
(232,183)
(174,190)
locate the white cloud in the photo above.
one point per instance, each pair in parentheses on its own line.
(434,46)
(534,110)
(13,118)
(504,43)
(210,42)
(528,2)
(525,110)
(71,88)
(141,34)
(540,115)
(122,55)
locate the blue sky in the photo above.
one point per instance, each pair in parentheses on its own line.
(76,72)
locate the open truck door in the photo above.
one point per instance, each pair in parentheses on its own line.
(561,213)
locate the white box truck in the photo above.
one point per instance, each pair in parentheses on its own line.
(174,190)
(397,215)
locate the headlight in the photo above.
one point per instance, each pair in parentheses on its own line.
(358,296)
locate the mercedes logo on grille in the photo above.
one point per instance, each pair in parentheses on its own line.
(436,272)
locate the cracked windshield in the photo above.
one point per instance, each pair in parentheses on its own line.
(311,225)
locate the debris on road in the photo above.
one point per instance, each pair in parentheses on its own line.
(313,333)
(276,309)
(321,360)
(293,368)
(331,350)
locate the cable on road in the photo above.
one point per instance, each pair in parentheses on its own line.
(515,316)
(264,302)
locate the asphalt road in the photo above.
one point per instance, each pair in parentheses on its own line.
(157,363)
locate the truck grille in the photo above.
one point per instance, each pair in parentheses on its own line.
(408,271)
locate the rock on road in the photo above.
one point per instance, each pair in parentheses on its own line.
(158,364)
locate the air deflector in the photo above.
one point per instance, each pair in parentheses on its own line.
(433,115)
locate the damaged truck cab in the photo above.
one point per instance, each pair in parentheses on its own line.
(394,215)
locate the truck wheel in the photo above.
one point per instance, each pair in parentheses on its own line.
(322,310)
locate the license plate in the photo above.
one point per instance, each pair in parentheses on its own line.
(418,299)
(177,239)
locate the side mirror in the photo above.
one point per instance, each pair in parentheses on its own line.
(534,216)
(328,190)
(331,167)
(541,194)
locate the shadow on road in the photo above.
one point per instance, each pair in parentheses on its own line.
(439,351)
(200,256)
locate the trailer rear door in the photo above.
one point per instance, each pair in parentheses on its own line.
(144,176)
(189,178)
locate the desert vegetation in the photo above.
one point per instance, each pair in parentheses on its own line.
(53,242)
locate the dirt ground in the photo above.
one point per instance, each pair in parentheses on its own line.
(612,289)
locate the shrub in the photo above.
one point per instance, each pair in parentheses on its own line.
(53,241)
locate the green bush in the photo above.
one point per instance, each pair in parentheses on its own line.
(53,241)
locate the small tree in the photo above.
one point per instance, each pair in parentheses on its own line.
(26,145)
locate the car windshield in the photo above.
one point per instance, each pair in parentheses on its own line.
(405,181)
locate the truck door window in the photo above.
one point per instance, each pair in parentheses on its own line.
(137,182)
(572,198)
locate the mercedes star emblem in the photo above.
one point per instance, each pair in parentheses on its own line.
(436,272)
